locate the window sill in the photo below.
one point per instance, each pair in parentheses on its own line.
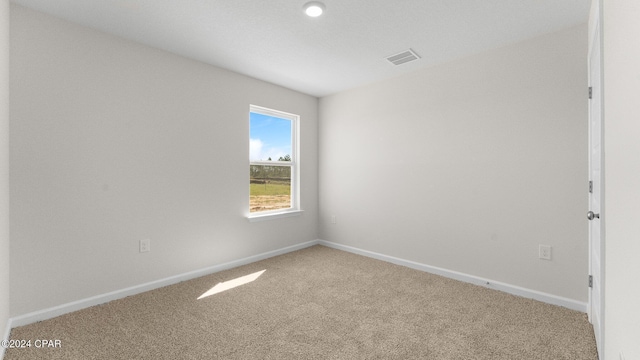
(273,215)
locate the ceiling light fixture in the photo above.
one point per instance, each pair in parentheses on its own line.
(313,8)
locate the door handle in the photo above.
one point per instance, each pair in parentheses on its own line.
(591,215)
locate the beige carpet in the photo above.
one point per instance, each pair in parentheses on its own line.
(317,303)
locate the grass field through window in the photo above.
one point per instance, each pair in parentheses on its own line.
(268,195)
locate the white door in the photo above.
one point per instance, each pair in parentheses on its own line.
(594,215)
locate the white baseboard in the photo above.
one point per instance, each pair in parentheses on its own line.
(496,285)
(119,294)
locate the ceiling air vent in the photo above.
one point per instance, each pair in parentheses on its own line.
(403,57)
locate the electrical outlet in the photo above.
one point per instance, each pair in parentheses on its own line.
(145,245)
(544,252)
(333,219)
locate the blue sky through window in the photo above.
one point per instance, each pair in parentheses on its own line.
(269,137)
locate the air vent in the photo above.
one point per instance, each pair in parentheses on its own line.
(403,57)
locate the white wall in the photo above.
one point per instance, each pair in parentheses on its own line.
(467,166)
(622,178)
(113,142)
(4,168)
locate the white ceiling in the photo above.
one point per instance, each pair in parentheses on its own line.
(275,41)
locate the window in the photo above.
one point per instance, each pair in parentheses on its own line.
(273,163)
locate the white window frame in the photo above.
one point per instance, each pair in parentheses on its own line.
(294,164)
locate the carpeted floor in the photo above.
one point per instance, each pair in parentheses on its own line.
(317,303)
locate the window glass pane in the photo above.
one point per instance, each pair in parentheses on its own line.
(273,160)
(270,187)
(270,138)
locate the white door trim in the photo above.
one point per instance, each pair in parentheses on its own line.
(596,253)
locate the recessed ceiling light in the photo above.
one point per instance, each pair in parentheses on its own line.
(313,8)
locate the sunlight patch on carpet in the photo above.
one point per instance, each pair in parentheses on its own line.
(224,286)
